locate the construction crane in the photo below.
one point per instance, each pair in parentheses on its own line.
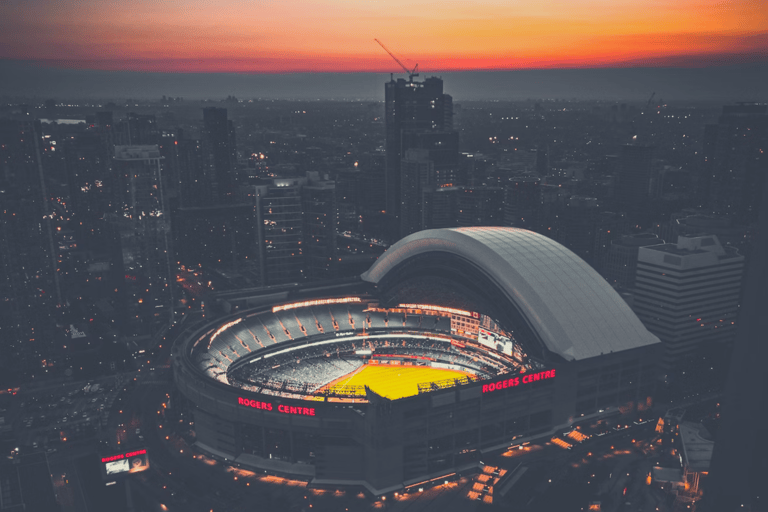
(411,72)
(650,99)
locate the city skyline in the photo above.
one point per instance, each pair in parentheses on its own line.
(334,255)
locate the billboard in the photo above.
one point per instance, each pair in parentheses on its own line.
(117,466)
(496,341)
(125,463)
(486,338)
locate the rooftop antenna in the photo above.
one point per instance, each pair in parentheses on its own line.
(411,72)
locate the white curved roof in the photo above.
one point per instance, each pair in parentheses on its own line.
(574,311)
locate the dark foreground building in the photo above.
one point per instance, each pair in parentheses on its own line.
(739,475)
(543,341)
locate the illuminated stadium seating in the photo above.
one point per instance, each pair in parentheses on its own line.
(377,319)
(341,314)
(308,320)
(323,315)
(413,321)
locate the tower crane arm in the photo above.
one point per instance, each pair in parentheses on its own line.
(411,72)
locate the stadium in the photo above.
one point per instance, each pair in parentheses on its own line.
(455,343)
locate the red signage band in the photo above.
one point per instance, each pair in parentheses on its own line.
(285,409)
(516,381)
(123,456)
(304,411)
(254,403)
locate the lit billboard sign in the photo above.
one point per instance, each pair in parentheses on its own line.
(495,341)
(125,463)
(526,378)
(268,406)
(486,338)
(117,466)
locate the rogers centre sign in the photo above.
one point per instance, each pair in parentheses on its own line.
(285,409)
(516,381)
(123,456)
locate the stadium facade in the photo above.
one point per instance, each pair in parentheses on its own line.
(531,339)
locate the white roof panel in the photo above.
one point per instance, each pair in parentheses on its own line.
(571,307)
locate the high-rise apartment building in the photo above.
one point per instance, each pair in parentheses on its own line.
(740,460)
(736,159)
(215,236)
(579,223)
(687,293)
(633,182)
(319,213)
(219,152)
(609,227)
(143,221)
(295,229)
(29,286)
(480,206)
(430,163)
(523,203)
(195,184)
(136,130)
(87,159)
(416,168)
(412,109)
(621,260)
(280,231)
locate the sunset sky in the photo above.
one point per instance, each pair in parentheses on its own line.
(338,35)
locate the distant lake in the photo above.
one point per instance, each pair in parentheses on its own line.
(62,121)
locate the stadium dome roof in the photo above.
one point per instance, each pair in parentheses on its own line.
(571,308)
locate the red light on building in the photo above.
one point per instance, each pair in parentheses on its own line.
(285,409)
(304,411)
(516,381)
(120,456)
(254,403)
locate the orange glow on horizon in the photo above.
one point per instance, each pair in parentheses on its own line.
(338,35)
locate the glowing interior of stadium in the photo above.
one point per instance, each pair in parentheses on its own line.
(310,349)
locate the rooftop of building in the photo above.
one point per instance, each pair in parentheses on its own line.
(638,240)
(697,446)
(571,308)
(141,152)
(696,245)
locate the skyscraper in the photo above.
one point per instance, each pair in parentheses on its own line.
(137,130)
(29,286)
(219,153)
(430,162)
(411,108)
(215,236)
(415,170)
(318,198)
(280,232)
(144,226)
(621,259)
(740,457)
(687,294)
(295,229)
(522,203)
(633,183)
(480,206)
(87,160)
(736,159)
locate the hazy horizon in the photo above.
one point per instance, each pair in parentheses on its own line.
(721,83)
